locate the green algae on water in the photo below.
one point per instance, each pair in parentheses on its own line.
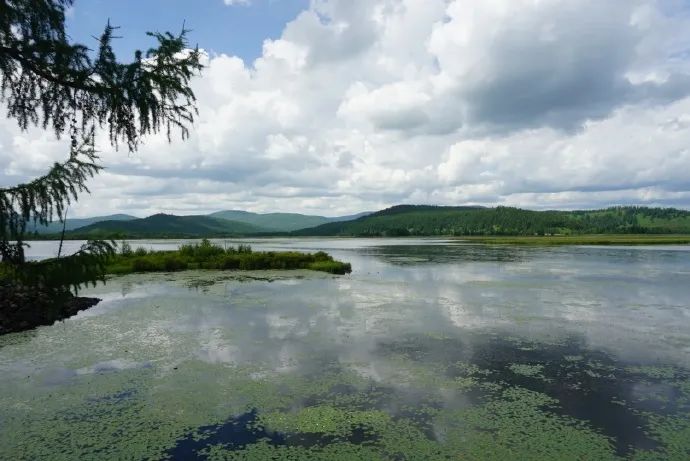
(198,365)
(531,371)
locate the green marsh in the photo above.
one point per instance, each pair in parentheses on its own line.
(210,256)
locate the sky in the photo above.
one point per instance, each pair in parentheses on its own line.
(334,107)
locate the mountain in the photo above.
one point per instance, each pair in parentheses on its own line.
(166,226)
(280,222)
(401,220)
(71,224)
(426,220)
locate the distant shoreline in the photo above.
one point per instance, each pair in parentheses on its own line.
(591,239)
(549,240)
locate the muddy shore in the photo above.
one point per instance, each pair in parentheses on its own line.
(23,308)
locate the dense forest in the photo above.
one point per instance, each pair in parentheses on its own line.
(412,220)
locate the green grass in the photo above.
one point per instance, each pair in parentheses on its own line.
(600,239)
(206,255)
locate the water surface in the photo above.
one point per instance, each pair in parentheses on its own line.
(430,349)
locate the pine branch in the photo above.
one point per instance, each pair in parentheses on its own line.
(47,81)
(62,234)
(47,195)
(44,197)
(87,266)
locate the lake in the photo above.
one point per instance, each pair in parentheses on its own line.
(430,349)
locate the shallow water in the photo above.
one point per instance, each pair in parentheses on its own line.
(430,349)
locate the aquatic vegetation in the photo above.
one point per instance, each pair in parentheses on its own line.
(339,451)
(684,388)
(573,358)
(332,267)
(674,434)
(653,371)
(206,255)
(303,365)
(324,420)
(521,424)
(469,369)
(531,371)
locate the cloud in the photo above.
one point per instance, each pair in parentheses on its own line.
(364,104)
(236,2)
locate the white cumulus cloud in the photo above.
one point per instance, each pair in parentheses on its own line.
(361,104)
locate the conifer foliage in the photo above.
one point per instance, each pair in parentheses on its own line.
(49,82)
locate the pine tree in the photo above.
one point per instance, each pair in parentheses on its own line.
(49,82)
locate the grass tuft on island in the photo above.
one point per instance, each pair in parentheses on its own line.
(598,239)
(206,255)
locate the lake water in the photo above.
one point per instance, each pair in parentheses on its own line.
(430,349)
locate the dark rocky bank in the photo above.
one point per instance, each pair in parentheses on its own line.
(23,308)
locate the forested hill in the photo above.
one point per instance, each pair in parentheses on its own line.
(165,226)
(404,220)
(74,223)
(279,222)
(423,220)
(258,223)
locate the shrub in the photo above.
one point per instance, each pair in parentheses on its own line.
(5,271)
(322,256)
(145,265)
(241,249)
(229,262)
(125,249)
(173,263)
(119,268)
(332,267)
(200,252)
(256,261)
(141,251)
